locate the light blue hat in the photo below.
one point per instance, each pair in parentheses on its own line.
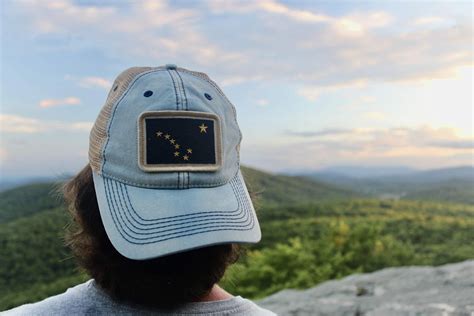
(164,152)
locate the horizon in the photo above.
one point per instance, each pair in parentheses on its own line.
(349,171)
(379,85)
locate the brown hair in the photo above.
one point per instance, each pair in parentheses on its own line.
(162,282)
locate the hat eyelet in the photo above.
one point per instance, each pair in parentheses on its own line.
(148,93)
(208,96)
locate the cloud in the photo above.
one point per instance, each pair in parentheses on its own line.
(321,55)
(359,24)
(232,80)
(352,24)
(455,144)
(388,138)
(323,132)
(148,29)
(89,82)
(429,20)
(15,124)
(309,93)
(330,50)
(375,116)
(3,155)
(269,6)
(312,93)
(78,126)
(367,99)
(48,103)
(262,102)
(422,147)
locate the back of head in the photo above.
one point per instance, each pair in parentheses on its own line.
(162,205)
(162,282)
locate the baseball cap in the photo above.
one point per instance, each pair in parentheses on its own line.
(164,152)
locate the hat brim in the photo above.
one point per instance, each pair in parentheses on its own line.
(145,223)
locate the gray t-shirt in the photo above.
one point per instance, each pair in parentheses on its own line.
(88,299)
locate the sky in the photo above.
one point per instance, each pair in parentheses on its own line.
(315,83)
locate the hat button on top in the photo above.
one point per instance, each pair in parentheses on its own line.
(171,66)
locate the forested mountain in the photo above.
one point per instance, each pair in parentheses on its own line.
(28,199)
(281,190)
(312,232)
(444,185)
(270,189)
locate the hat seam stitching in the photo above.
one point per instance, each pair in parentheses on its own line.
(142,231)
(122,231)
(233,182)
(186,174)
(184,91)
(245,209)
(177,108)
(176,217)
(210,185)
(180,89)
(175,91)
(236,189)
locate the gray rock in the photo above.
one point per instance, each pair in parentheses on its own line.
(444,290)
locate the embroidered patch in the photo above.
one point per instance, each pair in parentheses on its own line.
(179,141)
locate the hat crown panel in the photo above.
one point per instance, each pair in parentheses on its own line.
(117,151)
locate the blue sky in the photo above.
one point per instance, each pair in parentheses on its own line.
(315,84)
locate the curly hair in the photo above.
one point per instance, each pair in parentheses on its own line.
(163,282)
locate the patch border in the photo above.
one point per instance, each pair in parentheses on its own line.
(178,167)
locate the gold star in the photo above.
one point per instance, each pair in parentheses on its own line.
(189,150)
(186,157)
(203,128)
(177,146)
(158,134)
(176,153)
(167,136)
(172,141)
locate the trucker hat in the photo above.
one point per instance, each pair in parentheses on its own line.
(164,152)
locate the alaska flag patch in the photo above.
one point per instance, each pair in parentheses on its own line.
(179,141)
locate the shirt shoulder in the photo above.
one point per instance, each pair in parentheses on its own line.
(75,300)
(88,299)
(234,306)
(254,310)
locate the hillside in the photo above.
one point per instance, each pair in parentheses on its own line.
(444,185)
(444,290)
(7,183)
(28,199)
(32,256)
(288,190)
(269,189)
(34,261)
(448,191)
(312,232)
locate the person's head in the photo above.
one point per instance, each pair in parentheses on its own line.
(165,281)
(162,205)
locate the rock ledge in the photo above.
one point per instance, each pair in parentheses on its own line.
(444,290)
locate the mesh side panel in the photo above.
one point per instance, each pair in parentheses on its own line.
(98,135)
